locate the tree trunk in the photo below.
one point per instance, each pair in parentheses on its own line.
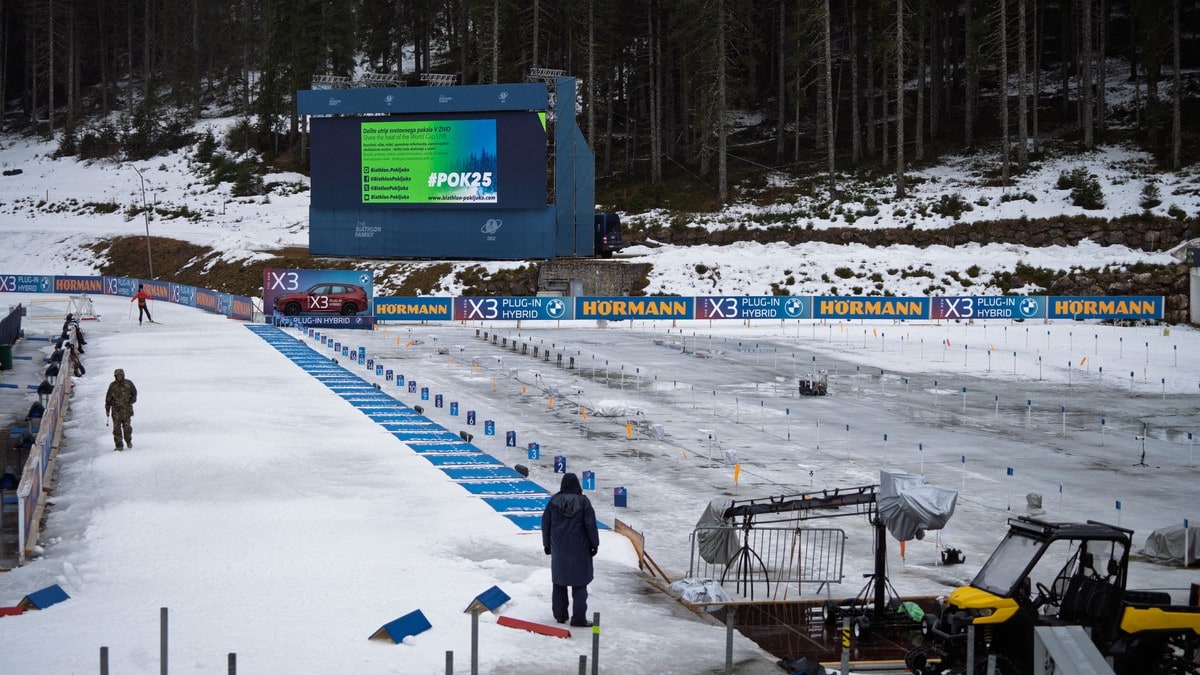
(1038,20)
(1064,42)
(1005,123)
(855,99)
(722,134)
(869,94)
(1086,75)
(50,51)
(782,84)
(919,115)
(1022,91)
(829,128)
(899,99)
(652,73)
(1176,85)
(591,73)
(969,88)
(146,54)
(1102,75)
(537,12)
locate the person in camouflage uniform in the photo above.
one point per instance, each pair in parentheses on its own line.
(118,403)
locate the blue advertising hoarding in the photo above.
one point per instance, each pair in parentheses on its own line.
(79,285)
(126,287)
(1116,307)
(988,307)
(512,309)
(849,307)
(25,283)
(620,308)
(753,307)
(414,309)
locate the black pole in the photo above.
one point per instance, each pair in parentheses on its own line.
(880,565)
(474,642)
(232,663)
(162,641)
(595,643)
(104,661)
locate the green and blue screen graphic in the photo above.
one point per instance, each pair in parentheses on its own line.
(449,161)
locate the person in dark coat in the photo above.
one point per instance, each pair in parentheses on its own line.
(570,538)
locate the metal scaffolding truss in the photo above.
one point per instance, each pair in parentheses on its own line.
(330,82)
(549,77)
(439,79)
(367,80)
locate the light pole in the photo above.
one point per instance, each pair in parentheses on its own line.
(146,215)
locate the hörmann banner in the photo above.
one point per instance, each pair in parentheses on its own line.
(1112,307)
(849,307)
(753,307)
(619,308)
(414,309)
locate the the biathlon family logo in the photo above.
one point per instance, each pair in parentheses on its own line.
(503,96)
(556,308)
(793,307)
(1028,307)
(491,226)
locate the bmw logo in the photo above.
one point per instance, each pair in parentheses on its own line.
(1028,307)
(793,307)
(364,279)
(556,308)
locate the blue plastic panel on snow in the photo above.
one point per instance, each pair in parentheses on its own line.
(463,459)
(51,595)
(537,503)
(504,487)
(478,473)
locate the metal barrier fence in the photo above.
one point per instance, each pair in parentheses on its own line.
(775,562)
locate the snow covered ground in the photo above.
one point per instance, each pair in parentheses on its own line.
(276,521)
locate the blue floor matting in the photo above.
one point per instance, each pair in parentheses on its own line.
(510,494)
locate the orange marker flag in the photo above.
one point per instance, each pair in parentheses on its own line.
(737,472)
(583,412)
(684,451)
(874,333)
(522,389)
(901,548)
(1083,361)
(628,430)
(551,402)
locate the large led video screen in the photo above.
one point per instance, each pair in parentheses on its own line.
(452,161)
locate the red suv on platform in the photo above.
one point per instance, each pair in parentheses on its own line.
(344,299)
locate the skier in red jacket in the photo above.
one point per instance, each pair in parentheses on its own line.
(142,296)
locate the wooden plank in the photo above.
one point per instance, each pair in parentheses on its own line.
(540,628)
